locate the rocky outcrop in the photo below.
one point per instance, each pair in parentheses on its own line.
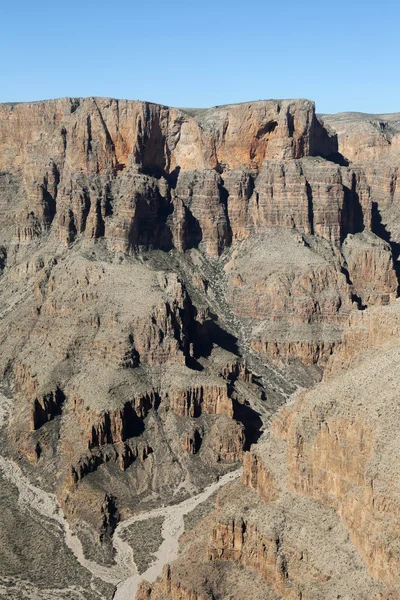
(301,287)
(191,402)
(365,330)
(206,582)
(350,468)
(205,204)
(316,513)
(257,477)
(336,442)
(173,589)
(168,277)
(363,137)
(285,554)
(313,195)
(372,144)
(116,426)
(46,407)
(370,266)
(85,163)
(192,441)
(146,176)
(314,351)
(101,353)
(295,292)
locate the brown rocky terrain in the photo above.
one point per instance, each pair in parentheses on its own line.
(373,143)
(170,279)
(316,512)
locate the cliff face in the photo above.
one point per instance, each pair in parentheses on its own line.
(140,176)
(363,137)
(168,278)
(316,512)
(120,169)
(372,142)
(105,366)
(79,161)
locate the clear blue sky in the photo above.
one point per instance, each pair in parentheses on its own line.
(342,54)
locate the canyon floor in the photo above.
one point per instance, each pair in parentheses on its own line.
(199,332)
(41,517)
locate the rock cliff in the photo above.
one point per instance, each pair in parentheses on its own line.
(316,512)
(169,278)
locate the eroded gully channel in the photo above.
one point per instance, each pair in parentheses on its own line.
(124,573)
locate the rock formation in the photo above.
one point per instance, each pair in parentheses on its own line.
(169,278)
(316,512)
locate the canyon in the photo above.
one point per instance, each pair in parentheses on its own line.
(199,345)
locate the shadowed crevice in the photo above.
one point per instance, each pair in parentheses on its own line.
(381,230)
(251,421)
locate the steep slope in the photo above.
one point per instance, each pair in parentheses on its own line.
(372,142)
(168,279)
(316,512)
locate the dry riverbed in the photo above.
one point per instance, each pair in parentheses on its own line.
(135,559)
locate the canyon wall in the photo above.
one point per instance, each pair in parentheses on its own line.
(316,512)
(168,279)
